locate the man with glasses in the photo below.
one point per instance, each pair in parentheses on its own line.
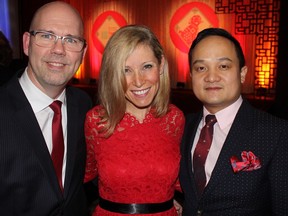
(42,146)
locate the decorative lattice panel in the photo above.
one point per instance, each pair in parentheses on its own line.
(260,18)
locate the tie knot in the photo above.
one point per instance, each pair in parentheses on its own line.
(210,120)
(56,106)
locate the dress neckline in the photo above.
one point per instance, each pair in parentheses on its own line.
(146,119)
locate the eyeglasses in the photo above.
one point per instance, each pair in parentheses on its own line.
(48,39)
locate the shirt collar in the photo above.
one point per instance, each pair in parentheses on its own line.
(225,116)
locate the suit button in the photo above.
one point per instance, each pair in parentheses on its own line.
(199,212)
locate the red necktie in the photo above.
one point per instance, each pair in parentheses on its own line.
(201,152)
(57,140)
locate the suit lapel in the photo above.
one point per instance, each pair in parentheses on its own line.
(189,135)
(72,139)
(27,121)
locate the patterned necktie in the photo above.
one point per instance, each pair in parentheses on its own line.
(57,140)
(201,152)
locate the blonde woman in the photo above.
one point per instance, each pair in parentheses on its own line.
(133,136)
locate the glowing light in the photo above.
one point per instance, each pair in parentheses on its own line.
(264,75)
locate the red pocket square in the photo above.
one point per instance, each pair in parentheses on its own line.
(249,162)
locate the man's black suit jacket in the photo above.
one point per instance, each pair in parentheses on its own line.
(259,192)
(28,183)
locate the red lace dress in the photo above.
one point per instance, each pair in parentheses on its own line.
(139,163)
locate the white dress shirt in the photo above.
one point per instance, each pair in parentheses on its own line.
(225,119)
(44,114)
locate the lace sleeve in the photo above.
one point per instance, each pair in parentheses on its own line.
(91,136)
(177,122)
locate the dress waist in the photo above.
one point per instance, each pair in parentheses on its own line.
(134,208)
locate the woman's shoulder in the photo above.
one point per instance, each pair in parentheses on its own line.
(175,115)
(95,114)
(174,110)
(96,110)
(174,121)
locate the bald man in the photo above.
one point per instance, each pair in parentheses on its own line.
(30,182)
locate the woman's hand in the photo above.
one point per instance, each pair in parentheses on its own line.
(178,207)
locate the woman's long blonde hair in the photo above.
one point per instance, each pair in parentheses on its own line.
(112,82)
